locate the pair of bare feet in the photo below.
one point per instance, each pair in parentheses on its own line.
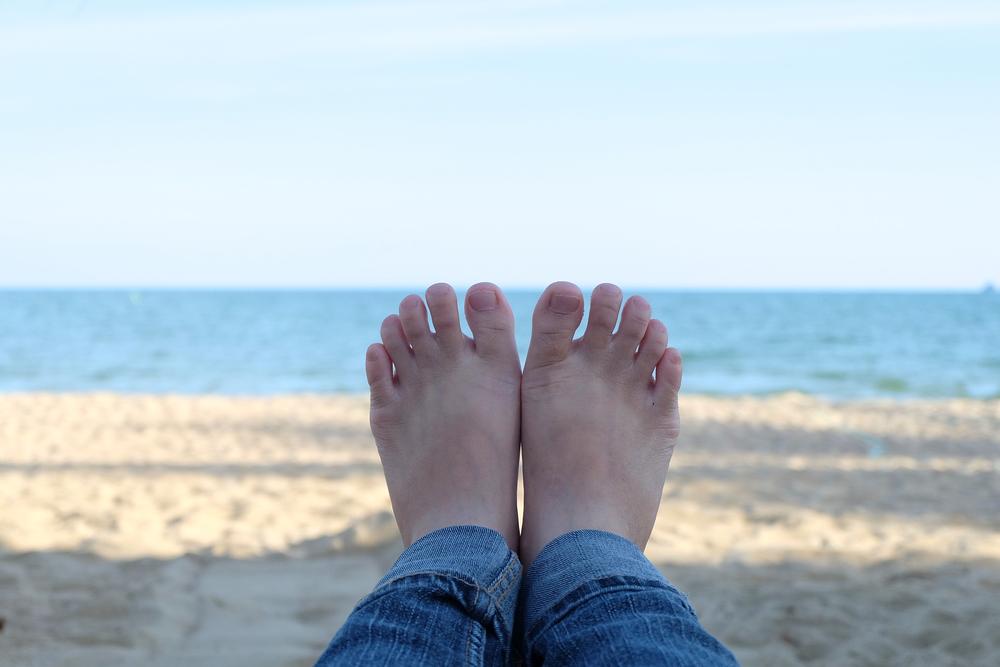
(594,426)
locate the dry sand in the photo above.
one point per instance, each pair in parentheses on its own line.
(216,530)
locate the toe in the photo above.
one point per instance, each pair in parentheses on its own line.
(651,348)
(635,319)
(378,368)
(668,380)
(394,340)
(491,320)
(443,305)
(413,316)
(604,306)
(557,315)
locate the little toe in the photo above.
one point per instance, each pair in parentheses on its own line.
(635,319)
(668,380)
(443,305)
(413,316)
(394,340)
(651,348)
(557,315)
(491,321)
(378,369)
(605,303)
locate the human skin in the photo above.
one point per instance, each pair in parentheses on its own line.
(597,428)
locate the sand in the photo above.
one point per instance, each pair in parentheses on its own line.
(163,530)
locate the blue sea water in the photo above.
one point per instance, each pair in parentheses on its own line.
(839,345)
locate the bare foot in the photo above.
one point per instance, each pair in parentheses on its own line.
(597,431)
(447,421)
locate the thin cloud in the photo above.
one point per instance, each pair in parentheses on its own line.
(400,29)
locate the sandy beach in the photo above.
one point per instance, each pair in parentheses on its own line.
(167,530)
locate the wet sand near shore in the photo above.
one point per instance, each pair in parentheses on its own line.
(171,530)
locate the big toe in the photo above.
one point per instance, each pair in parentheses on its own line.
(491,320)
(557,315)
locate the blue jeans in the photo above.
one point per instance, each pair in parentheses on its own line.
(457,596)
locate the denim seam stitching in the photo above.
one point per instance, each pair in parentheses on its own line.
(472,629)
(498,601)
(503,574)
(503,596)
(381,590)
(468,635)
(506,578)
(377,592)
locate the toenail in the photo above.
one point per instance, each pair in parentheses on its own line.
(564,303)
(438,289)
(483,300)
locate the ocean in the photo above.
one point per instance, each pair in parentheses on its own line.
(831,344)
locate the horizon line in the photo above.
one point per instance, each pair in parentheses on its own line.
(986,286)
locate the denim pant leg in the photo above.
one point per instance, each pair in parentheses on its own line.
(592,598)
(448,600)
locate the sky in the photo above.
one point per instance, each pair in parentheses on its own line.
(706,144)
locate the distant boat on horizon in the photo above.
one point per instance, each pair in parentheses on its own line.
(988,288)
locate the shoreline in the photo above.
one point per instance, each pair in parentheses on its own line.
(760,396)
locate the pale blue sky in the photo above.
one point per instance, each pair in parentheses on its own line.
(686,144)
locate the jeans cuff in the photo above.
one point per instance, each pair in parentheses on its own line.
(576,558)
(475,555)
